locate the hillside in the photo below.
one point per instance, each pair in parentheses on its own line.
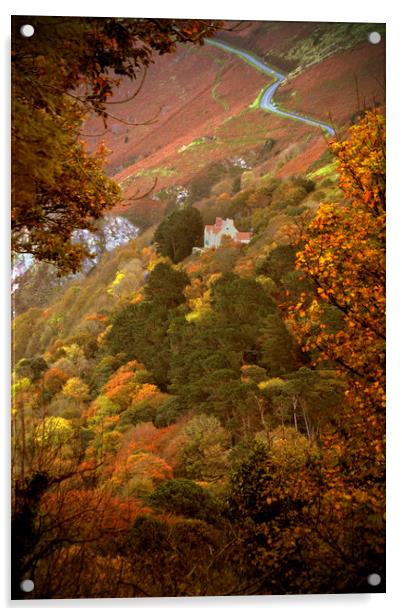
(202,100)
(200,103)
(211,422)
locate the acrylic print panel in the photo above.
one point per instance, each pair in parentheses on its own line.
(198,218)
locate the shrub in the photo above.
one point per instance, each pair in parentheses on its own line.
(138,413)
(184,497)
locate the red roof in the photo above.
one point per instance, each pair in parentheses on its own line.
(243,236)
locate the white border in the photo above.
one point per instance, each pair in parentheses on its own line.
(291,10)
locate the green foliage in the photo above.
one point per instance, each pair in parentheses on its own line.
(76,389)
(326,39)
(295,210)
(168,412)
(73,361)
(257,202)
(142,376)
(236,186)
(248,486)
(53,432)
(316,396)
(186,498)
(178,233)
(31,368)
(165,286)
(277,346)
(205,454)
(104,370)
(27,329)
(253,373)
(138,413)
(304,182)
(140,331)
(61,406)
(207,352)
(103,408)
(280,261)
(233,298)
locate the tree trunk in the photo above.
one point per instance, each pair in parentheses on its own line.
(306,422)
(294,412)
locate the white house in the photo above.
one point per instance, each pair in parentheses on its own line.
(224,227)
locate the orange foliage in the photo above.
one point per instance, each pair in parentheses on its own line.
(120,387)
(95,316)
(141,465)
(151,394)
(54,379)
(95,510)
(344,256)
(245,267)
(132,365)
(146,438)
(144,452)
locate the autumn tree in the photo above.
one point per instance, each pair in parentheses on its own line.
(62,533)
(184,550)
(130,474)
(205,452)
(279,262)
(344,257)
(107,365)
(301,530)
(168,412)
(66,70)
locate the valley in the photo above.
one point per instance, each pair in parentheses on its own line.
(209,422)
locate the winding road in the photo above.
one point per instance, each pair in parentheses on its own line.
(265,100)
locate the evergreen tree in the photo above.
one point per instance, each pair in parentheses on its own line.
(178,233)
(140,330)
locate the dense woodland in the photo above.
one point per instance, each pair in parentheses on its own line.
(207,424)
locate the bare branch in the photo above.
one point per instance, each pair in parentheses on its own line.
(146,123)
(95,134)
(130,98)
(137,198)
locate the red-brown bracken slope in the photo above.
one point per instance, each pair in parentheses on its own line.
(204,94)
